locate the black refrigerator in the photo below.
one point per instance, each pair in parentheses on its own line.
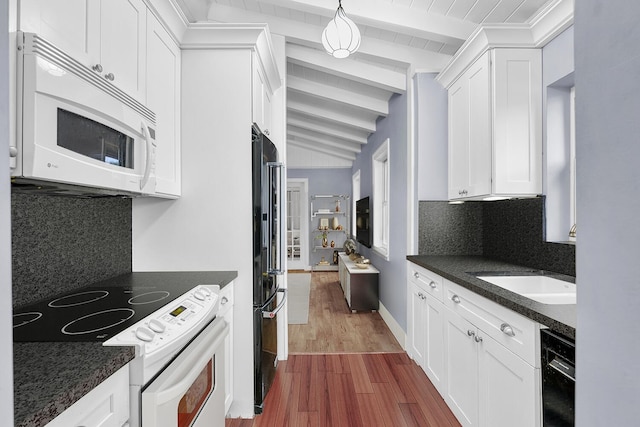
(268,268)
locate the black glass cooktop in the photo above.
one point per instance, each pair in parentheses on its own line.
(100,311)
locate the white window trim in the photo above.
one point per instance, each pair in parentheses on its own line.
(381,171)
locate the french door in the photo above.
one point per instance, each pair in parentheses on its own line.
(297,224)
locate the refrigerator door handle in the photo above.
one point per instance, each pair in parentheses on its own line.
(272,314)
(274,220)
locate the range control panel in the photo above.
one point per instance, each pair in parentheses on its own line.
(170,325)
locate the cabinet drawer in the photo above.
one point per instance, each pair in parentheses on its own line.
(426,280)
(514,331)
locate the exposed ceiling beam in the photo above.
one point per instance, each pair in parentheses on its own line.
(311,124)
(309,145)
(332,115)
(390,17)
(379,77)
(320,139)
(309,35)
(376,106)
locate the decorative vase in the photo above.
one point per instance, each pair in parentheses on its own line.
(333,244)
(324,242)
(338,205)
(335,223)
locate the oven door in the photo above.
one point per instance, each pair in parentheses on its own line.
(190,390)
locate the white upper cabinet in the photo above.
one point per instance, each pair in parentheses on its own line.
(163,98)
(495,126)
(261,102)
(108,36)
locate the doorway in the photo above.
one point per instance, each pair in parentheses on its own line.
(297,224)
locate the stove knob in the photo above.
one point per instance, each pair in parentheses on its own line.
(206,292)
(145,334)
(157,326)
(199,295)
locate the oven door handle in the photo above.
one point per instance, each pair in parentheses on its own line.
(272,314)
(178,389)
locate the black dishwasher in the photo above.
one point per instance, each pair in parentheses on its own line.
(558,379)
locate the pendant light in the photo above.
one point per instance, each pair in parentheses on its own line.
(341,37)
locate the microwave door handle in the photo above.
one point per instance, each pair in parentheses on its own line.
(149,157)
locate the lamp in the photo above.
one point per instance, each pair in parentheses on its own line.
(341,37)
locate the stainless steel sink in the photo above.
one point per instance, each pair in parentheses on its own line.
(544,289)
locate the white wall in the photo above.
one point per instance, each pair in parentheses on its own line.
(210,226)
(6,329)
(607,59)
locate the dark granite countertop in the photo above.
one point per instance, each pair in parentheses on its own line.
(48,377)
(558,317)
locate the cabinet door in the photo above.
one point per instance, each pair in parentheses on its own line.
(261,100)
(65,23)
(163,98)
(122,44)
(461,359)
(434,362)
(517,121)
(509,387)
(226,311)
(470,132)
(416,327)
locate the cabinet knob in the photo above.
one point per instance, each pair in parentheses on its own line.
(266,132)
(97,68)
(507,329)
(478,338)
(416,275)
(420,295)
(433,285)
(110,77)
(471,333)
(224,300)
(455,299)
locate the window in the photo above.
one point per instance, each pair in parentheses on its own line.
(381,179)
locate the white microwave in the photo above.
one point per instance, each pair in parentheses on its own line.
(76,130)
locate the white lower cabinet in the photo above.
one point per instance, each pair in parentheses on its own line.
(226,311)
(488,373)
(107,405)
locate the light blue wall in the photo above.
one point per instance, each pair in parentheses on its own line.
(607,55)
(392,272)
(431,137)
(322,181)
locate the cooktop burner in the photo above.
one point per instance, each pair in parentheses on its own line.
(97,312)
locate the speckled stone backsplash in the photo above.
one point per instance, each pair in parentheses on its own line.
(507,230)
(62,243)
(447,229)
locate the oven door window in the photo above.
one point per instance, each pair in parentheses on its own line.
(195,397)
(95,140)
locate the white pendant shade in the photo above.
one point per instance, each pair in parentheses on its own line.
(341,37)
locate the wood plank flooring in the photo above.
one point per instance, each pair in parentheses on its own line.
(332,328)
(351,390)
(347,370)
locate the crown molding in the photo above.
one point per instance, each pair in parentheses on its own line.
(255,37)
(536,33)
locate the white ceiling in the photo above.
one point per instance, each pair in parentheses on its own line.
(333,104)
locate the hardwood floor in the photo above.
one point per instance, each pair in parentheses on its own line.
(347,370)
(332,328)
(351,390)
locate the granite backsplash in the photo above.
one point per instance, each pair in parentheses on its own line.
(506,230)
(62,243)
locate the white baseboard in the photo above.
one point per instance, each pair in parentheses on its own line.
(395,328)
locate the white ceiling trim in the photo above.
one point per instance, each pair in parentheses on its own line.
(302,122)
(311,145)
(317,138)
